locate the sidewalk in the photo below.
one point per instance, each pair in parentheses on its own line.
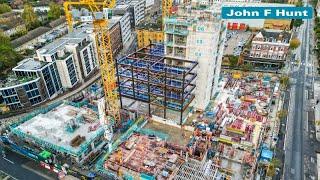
(317,109)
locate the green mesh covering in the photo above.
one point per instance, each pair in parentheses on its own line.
(45,154)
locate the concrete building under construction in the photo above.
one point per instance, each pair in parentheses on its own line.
(70,132)
(195,32)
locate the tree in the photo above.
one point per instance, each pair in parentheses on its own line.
(295,43)
(8,56)
(4,8)
(233,61)
(247,67)
(54,12)
(275,163)
(30,17)
(284,81)
(297,22)
(282,114)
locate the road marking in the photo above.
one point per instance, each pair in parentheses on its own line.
(8,175)
(8,160)
(37,172)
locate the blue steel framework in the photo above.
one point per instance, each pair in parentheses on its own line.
(145,76)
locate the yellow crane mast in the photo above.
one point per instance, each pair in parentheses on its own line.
(166,7)
(104,50)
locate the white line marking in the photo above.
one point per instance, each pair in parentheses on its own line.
(8,160)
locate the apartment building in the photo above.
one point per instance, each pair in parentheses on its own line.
(195,34)
(271,44)
(138,10)
(125,27)
(46,71)
(115,35)
(74,54)
(22,92)
(269,50)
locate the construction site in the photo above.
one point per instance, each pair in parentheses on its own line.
(221,142)
(162,112)
(63,129)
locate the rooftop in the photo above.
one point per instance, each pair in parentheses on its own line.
(67,128)
(13,80)
(30,64)
(270,35)
(31,35)
(74,37)
(154,24)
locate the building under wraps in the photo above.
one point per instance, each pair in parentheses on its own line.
(70,131)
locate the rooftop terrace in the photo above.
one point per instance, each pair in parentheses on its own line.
(13,80)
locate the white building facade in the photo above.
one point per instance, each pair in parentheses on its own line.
(75,56)
(197,40)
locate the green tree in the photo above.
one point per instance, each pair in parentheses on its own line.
(282,114)
(295,43)
(30,17)
(275,163)
(54,12)
(284,81)
(8,56)
(247,67)
(233,61)
(4,8)
(297,22)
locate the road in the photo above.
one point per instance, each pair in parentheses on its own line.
(23,168)
(300,142)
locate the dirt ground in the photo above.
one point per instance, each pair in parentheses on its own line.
(175,134)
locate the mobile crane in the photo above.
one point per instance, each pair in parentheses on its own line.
(105,58)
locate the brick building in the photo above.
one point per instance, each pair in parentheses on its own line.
(269,49)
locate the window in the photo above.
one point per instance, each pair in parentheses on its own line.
(35,100)
(199,41)
(86,61)
(198,54)
(9,92)
(48,80)
(71,71)
(200,28)
(55,76)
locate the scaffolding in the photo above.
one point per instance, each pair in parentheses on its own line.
(161,82)
(14,128)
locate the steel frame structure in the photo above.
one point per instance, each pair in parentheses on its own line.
(145,76)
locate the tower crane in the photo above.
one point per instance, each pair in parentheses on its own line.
(105,58)
(166,7)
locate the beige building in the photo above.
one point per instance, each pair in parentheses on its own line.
(197,35)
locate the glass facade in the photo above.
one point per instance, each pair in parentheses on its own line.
(86,60)
(11,98)
(52,79)
(71,70)
(48,80)
(94,60)
(25,74)
(33,93)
